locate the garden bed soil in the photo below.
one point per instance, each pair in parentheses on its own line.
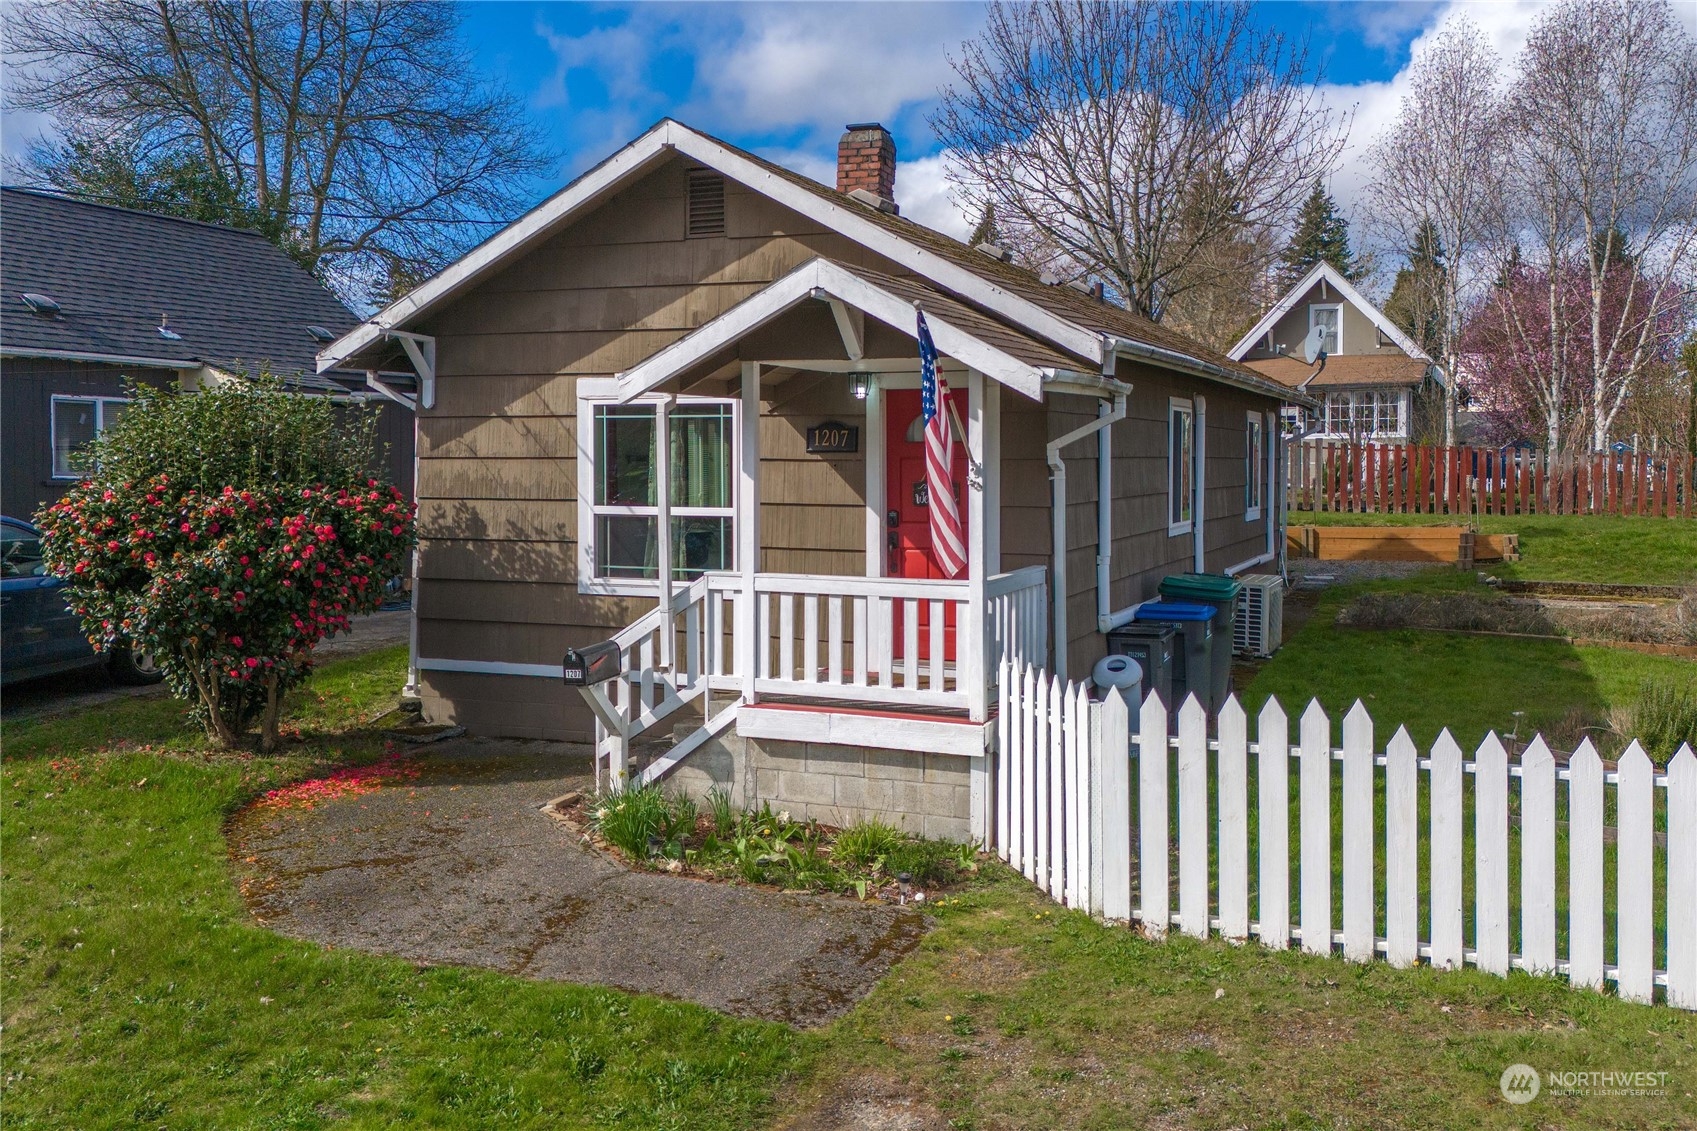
(444,856)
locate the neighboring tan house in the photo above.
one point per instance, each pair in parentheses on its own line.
(1376,380)
(692,355)
(92,297)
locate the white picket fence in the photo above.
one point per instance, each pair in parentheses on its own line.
(1068,768)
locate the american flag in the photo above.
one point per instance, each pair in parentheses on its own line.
(948,539)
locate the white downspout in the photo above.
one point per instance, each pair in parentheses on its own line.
(1200,485)
(1058,533)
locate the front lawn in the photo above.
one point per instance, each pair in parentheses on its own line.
(138,992)
(1601,548)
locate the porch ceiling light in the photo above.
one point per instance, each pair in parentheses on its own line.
(861,384)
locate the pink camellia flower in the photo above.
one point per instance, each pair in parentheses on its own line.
(252,661)
(184,528)
(236,640)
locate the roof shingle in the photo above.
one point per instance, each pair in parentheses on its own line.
(234,298)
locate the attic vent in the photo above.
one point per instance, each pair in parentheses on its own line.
(706,203)
(165,330)
(320,334)
(39,303)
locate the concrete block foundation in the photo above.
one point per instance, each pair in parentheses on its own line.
(929,795)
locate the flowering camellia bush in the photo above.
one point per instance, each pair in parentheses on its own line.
(227,532)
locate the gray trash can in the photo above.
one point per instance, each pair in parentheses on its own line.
(1153,647)
(1195,674)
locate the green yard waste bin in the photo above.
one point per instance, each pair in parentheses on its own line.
(1221,592)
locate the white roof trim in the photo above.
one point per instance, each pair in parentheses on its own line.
(652,147)
(820,278)
(1333,276)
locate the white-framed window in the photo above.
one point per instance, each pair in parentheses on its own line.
(76,422)
(1254,467)
(1365,412)
(1181,465)
(619,455)
(1330,317)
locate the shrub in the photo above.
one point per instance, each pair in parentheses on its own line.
(226,532)
(1664,717)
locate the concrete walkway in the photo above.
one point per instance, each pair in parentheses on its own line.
(459,865)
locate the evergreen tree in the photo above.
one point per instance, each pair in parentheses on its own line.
(987,231)
(1321,233)
(1417,297)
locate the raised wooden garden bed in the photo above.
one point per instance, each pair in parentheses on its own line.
(1461,546)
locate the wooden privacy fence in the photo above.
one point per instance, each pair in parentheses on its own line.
(1422,479)
(1086,810)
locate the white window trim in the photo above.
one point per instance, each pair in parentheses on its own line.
(1337,306)
(100,404)
(587,403)
(1255,465)
(1174,529)
(1403,409)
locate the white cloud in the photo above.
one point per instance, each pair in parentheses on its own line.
(820,66)
(926,196)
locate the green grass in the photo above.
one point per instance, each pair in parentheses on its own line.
(1622,550)
(1469,683)
(137,991)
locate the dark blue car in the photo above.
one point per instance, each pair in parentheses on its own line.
(39,635)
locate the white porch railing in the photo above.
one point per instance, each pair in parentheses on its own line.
(1085,810)
(878,640)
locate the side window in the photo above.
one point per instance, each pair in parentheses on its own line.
(75,423)
(1181,465)
(1254,468)
(20,552)
(1330,319)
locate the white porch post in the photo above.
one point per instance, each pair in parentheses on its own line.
(748,531)
(969,651)
(663,483)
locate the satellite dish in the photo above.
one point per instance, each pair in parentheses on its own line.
(1313,346)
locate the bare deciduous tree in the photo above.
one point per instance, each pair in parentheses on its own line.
(1133,141)
(1433,168)
(360,130)
(1600,186)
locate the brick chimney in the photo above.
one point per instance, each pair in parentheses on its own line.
(866,160)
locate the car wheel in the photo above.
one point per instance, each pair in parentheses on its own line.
(134,669)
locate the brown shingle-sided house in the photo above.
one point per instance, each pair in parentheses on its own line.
(1373,384)
(677,406)
(93,296)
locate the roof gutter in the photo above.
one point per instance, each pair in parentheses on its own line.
(1172,359)
(178,363)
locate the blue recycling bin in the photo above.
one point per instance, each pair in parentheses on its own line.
(1192,664)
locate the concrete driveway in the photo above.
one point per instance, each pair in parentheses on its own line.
(459,865)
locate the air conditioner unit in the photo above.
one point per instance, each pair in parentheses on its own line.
(1260,614)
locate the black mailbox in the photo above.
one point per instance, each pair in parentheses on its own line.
(597,663)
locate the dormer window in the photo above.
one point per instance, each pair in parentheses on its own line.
(39,304)
(1330,317)
(706,203)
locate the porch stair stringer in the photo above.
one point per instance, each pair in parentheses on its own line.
(692,742)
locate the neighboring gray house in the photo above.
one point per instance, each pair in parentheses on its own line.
(92,296)
(1373,382)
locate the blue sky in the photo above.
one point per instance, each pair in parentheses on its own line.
(783,79)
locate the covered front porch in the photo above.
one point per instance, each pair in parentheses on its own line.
(891,656)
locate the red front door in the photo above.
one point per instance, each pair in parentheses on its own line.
(907,505)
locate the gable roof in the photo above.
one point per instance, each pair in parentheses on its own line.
(1067,320)
(1015,359)
(1324,270)
(234,299)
